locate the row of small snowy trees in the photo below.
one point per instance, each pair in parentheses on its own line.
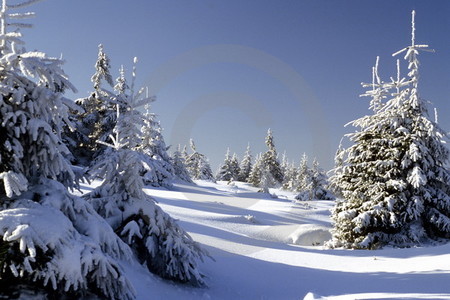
(393,180)
(268,172)
(55,244)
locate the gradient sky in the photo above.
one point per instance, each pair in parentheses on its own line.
(224,72)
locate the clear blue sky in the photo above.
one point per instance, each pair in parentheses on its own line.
(224,72)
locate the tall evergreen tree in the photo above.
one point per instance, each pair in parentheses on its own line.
(393,179)
(96,118)
(45,232)
(156,239)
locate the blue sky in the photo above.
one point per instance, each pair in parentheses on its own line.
(224,72)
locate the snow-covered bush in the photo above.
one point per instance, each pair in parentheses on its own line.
(393,179)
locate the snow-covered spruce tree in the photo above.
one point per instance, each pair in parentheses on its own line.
(319,183)
(246,165)
(267,180)
(338,163)
(229,170)
(158,166)
(179,167)
(185,155)
(267,162)
(303,180)
(149,142)
(156,239)
(52,242)
(255,175)
(198,165)
(96,118)
(235,168)
(270,160)
(284,165)
(290,182)
(224,172)
(393,179)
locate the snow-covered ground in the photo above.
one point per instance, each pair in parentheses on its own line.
(269,247)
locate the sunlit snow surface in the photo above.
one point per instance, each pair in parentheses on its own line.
(251,236)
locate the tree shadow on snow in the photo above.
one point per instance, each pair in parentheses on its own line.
(245,277)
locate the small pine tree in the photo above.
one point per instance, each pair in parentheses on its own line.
(224,172)
(179,166)
(270,159)
(268,162)
(185,155)
(229,170)
(290,182)
(284,164)
(198,165)
(246,165)
(319,184)
(256,173)
(304,180)
(335,179)
(267,180)
(235,169)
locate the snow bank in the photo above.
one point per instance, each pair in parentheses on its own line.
(310,235)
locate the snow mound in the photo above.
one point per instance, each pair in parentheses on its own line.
(251,219)
(312,296)
(310,235)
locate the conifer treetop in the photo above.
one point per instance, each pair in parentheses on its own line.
(43,70)
(14,35)
(412,51)
(102,67)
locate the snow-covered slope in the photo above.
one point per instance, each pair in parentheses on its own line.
(268,247)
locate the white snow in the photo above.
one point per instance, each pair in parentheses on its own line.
(264,249)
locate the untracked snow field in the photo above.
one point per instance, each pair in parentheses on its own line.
(270,247)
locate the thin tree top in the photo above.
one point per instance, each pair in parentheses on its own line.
(412,51)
